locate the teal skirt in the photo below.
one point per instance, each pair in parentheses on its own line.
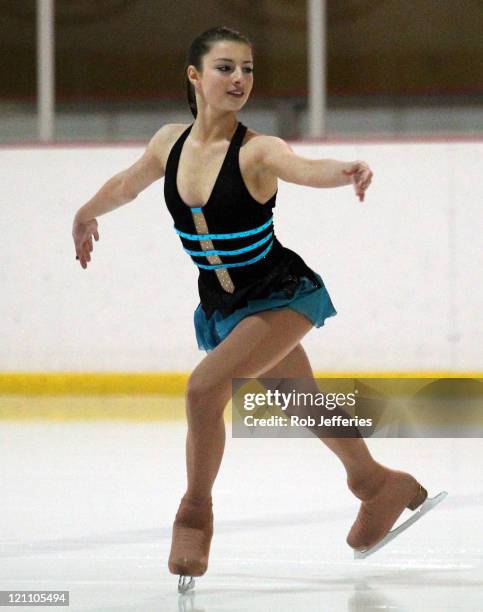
(309,300)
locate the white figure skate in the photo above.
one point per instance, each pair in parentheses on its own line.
(425,507)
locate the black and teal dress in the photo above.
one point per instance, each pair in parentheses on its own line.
(243,268)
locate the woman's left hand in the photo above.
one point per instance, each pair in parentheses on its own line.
(361,176)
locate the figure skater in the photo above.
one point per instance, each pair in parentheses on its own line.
(258,298)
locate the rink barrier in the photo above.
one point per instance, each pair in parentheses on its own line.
(158,383)
(134,397)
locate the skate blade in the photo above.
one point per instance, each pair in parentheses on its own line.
(427,505)
(185,584)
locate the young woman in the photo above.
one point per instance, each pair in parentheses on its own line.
(258,299)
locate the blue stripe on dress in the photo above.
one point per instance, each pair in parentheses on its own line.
(250,247)
(251,232)
(235,265)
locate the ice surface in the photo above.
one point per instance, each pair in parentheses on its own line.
(88,507)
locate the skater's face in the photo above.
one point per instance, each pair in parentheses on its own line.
(226,78)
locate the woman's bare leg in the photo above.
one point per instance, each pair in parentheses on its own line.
(352,452)
(255,345)
(384,493)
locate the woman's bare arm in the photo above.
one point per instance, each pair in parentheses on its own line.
(122,188)
(125,186)
(277,157)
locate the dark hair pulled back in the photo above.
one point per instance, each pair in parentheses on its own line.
(202,45)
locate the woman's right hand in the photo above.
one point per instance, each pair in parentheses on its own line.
(83,232)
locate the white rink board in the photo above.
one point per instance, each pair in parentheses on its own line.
(403,269)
